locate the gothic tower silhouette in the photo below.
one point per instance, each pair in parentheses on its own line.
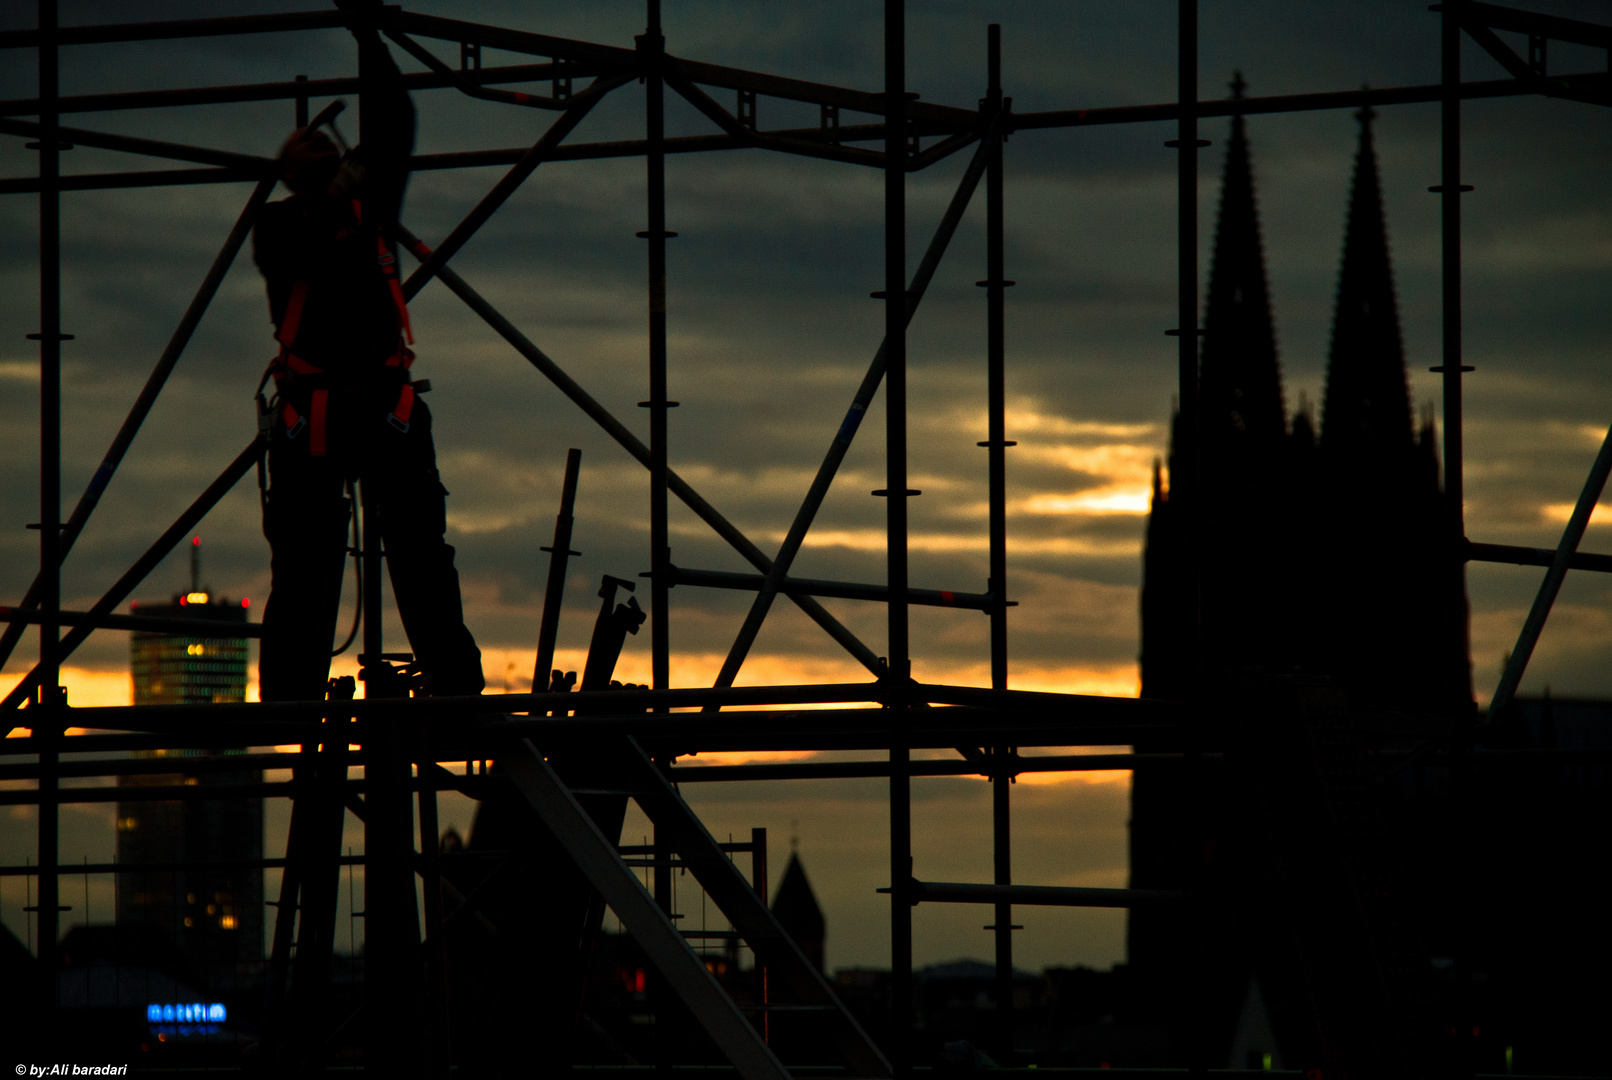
(1236,618)
(1318,554)
(1240,618)
(1392,611)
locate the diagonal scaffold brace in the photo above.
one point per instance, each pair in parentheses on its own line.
(779,572)
(131,580)
(635,446)
(595,855)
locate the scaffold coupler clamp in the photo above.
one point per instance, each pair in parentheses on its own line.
(265,417)
(265,427)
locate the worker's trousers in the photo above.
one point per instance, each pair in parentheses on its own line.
(306,522)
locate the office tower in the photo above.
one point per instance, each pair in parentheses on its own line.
(208,914)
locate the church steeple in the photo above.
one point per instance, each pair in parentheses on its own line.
(1236,617)
(1395,597)
(798,913)
(1366,414)
(1241,377)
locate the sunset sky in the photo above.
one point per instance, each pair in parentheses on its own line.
(770,331)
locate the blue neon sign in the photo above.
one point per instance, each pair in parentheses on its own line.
(186,1018)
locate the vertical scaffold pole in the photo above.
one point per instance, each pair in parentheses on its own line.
(996,445)
(1451,369)
(1450,204)
(1195,997)
(651,50)
(1189,452)
(895,389)
(995,347)
(559,557)
(439,1049)
(397,1043)
(758,878)
(652,47)
(48,702)
(391,916)
(1452,366)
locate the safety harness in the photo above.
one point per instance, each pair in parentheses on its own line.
(288,368)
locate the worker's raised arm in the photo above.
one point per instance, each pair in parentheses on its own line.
(386,122)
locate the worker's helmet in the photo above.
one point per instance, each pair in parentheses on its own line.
(308,162)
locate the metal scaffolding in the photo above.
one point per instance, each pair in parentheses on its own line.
(900,136)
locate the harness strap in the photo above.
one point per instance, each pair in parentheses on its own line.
(388,265)
(296,365)
(316,433)
(289,363)
(399,416)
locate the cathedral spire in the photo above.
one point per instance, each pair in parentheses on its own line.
(1366,412)
(1241,377)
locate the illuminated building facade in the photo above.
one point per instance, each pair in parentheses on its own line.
(208,912)
(170,669)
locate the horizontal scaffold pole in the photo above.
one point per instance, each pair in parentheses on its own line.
(945,892)
(847,590)
(475,785)
(1530,556)
(149,624)
(284,91)
(808,770)
(809,142)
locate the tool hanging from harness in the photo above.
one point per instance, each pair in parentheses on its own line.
(288,369)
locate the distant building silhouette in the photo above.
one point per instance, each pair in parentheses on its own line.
(797,911)
(1316,552)
(208,918)
(1240,436)
(1323,558)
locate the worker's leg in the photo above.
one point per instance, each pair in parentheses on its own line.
(412,506)
(306,524)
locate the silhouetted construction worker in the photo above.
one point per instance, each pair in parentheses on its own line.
(345,405)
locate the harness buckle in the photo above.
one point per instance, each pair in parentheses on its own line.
(401,425)
(296,429)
